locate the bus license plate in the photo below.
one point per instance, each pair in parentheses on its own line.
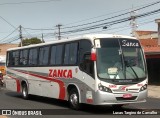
(127,95)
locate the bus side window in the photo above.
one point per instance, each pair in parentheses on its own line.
(88,64)
(33,53)
(73,53)
(10,61)
(53,55)
(43,55)
(23,57)
(15,58)
(70,55)
(59,52)
(56,54)
(85,63)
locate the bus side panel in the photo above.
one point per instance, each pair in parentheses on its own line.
(34,87)
(11,84)
(85,85)
(50,89)
(44,88)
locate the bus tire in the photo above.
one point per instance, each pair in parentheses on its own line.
(74,99)
(25,92)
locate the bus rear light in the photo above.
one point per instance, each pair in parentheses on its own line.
(93,56)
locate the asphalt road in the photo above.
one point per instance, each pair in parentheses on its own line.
(50,108)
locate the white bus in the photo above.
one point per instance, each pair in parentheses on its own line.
(97,69)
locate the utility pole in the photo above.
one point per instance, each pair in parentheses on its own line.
(133,22)
(42,38)
(59,31)
(20,35)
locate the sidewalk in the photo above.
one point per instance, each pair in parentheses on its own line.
(154,91)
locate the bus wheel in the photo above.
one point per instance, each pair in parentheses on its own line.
(25,91)
(74,99)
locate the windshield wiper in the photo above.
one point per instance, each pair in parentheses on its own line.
(127,64)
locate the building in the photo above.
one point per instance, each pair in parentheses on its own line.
(150,42)
(4,47)
(146,34)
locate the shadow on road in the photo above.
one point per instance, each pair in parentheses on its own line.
(65,110)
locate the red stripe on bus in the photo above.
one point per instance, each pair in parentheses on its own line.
(61,84)
(17,83)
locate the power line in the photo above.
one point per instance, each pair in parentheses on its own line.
(39,29)
(111,22)
(26,31)
(150,4)
(7,22)
(121,27)
(87,28)
(113,16)
(11,39)
(17,3)
(107,23)
(8,35)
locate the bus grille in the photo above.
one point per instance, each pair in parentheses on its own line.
(122,99)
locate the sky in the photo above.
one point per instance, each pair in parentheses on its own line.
(46,14)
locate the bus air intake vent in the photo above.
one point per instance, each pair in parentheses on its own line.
(123,99)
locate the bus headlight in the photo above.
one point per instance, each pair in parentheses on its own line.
(143,87)
(103,88)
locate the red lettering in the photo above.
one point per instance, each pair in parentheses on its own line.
(112,86)
(69,74)
(54,73)
(64,73)
(60,73)
(50,73)
(124,87)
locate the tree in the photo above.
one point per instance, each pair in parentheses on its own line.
(30,41)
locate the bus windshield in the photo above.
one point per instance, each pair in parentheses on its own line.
(120,59)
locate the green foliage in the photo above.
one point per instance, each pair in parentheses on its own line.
(30,41)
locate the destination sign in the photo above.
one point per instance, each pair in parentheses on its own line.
(129,43)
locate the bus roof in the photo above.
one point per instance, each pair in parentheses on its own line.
(90,37)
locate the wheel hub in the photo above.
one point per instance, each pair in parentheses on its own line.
(24,92)
(74,99)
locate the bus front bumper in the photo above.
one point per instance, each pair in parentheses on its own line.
(104,98)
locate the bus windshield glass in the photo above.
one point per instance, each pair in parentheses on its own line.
(120,59)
